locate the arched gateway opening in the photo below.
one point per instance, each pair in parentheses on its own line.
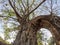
(45,37)
(52,24)
(47,25)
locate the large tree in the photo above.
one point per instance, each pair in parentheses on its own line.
(22,10)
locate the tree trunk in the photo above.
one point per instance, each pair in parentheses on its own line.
(26,36)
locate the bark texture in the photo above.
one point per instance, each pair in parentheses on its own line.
(26,36)
(28,31)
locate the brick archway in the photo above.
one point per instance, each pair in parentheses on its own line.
(46,24)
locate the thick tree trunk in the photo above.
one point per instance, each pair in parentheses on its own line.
(27,34)
(26,38)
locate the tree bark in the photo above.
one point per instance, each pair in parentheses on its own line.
(27,34)
(26,37)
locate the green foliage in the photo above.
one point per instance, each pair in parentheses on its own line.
(3,41)
(8,29)
(40,43)
(39,38)
(6,18)
(39,35)
(51,41)
(9,12)
(19,1)
(6,33)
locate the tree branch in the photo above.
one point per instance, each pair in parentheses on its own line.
(8,16)
(32,3)
(35,8)
(23,5)
(22,10)
(17,14)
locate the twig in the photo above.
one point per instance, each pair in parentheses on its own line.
(17,14)
(35,8)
